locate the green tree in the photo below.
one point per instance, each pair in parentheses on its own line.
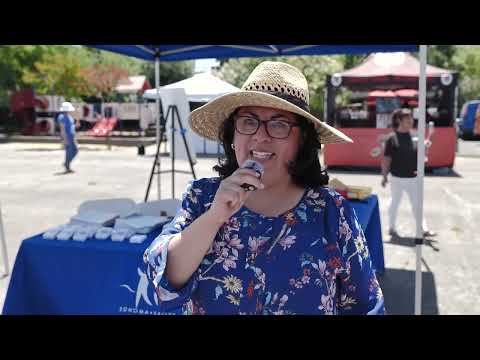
(93,56)
(102,79)
(14,60)
(441,56)
(351,61)
(467,62)
(170,72)
(57,72)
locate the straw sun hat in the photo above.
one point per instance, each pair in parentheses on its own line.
(267,79)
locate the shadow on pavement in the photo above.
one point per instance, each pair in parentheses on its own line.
(356,170)
(437,172)
(39,150)
(398,288)
(410,242)
(64,173)
(80,148)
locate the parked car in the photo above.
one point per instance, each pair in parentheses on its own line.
(469,122)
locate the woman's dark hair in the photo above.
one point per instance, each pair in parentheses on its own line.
(305,170)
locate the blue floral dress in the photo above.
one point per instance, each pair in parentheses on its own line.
(311,260)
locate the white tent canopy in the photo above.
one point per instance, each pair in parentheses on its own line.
(201,87)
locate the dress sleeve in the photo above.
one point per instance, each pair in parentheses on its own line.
(359,292)
(155,256)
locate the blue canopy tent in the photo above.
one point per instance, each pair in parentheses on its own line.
(190,52)
(159,53)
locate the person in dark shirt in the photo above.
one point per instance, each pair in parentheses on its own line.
(400,159)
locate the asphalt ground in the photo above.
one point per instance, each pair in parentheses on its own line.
(35,196)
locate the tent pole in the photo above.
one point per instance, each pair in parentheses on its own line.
(422,97)
(4,245)
(157,102)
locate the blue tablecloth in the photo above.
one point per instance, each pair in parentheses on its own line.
(368,214)
(105,277)
(70,277)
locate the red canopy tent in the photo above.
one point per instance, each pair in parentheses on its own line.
(402,93)
(389,76)
(390,69)
(408,95)
(381,93)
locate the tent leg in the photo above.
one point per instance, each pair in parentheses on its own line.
(422,86)
(157,101)
(3,244)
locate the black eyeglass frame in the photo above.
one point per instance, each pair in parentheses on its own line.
(265,124)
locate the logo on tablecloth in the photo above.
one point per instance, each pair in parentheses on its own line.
(141,293)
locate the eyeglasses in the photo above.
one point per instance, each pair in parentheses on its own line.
(277,129)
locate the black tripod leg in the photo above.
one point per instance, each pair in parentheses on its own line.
(155,162)
(185,143)
(157,155)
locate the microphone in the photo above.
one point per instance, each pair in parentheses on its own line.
(251,164)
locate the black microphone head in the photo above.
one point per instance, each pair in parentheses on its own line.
(252,164)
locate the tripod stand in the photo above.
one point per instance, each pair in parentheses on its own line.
(173,112)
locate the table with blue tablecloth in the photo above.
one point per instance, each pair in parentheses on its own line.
(71,277)
(368,214)
(106,277)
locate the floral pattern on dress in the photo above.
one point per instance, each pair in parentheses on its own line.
(313,259)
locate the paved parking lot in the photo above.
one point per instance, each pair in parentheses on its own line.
(34,197)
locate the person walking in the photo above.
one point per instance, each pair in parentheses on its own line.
(400,159)
(67,133)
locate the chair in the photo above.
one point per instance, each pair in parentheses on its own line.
(4,245)
(122,206)
(165,207)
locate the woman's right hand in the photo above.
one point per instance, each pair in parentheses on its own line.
(230,196)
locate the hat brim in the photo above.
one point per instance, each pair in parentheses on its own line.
(207,119)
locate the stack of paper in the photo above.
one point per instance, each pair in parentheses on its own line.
(51,234)
(92,217)
(84,232)
(141,224)
(122,234)
(103,233)
(67,232)
(138,239)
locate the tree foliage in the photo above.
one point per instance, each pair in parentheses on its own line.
(57,72)
(467,62)
(442,56)
(75,71)
(170,72)
(101,79)
(14,60)
(78,71)
(351,61)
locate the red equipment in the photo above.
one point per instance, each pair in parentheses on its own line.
(103,127)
